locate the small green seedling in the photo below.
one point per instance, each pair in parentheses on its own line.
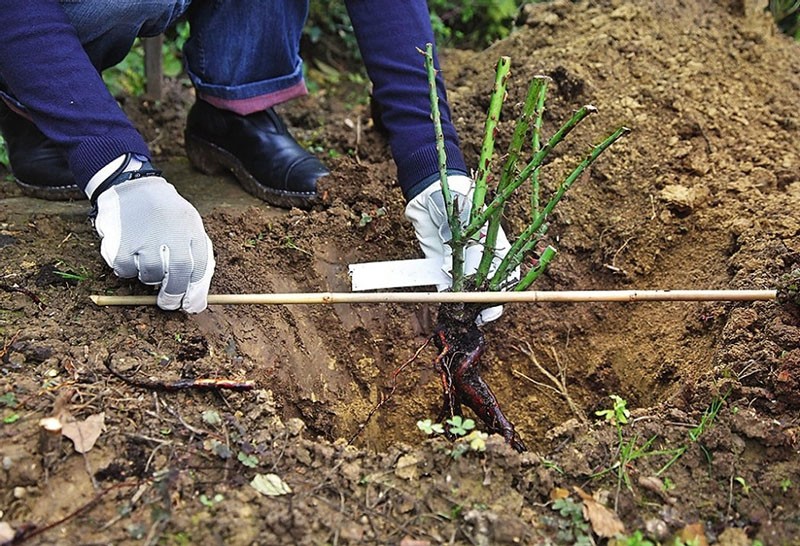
(460,426)
(250,461)
(786,484)
(289,243)
(477,440)
(366,217)
(575,529)
(618,414)
(211,502)
(429,427)
(745,486)
(636,539)
(252,242)
(9,400)
(211,417)
(72,276)
(470,439)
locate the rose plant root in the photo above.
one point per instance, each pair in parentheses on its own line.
(461,345)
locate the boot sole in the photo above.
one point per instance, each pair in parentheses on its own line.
(210,159)
(52,193)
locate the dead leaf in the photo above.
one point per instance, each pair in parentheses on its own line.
(84,433)
(605,522)
(270,485)
(558,493)
(694,532)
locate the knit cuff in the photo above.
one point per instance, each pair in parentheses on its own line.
(94,153)
(421,169)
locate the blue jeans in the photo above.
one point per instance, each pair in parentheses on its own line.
(242,55)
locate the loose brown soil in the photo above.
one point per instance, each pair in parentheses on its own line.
(704,193)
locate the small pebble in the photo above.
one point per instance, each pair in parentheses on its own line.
(656,528)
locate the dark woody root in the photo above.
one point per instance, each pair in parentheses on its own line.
(461,345)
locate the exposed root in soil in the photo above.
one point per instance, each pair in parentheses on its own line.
(558,384)
(27,532)
(181,384)
(385,398)
(16,288)
(7,345)
(461,345)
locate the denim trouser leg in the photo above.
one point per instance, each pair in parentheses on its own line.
(244,55)
(108,28)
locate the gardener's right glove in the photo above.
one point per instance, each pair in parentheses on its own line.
(149,231)
(427,213)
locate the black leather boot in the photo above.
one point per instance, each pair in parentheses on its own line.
(258,149)
(39,166)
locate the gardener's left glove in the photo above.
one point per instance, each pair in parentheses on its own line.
(149,231)
(427,213)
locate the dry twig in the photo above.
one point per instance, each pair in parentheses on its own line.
(385,398)
(181,384)
(558,384)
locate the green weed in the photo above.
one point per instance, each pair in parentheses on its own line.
(636,539)
(628,451)
(745,486)
(460,426)
(289,243)
(9,400)
(573,529)
(72,274)
(468,437)
(250,461)
(706,422)
(367,218)
(618,414)
(252,242)
(210,502)
(4,154)
(429,427)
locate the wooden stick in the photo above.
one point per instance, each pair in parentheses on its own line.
(465,297)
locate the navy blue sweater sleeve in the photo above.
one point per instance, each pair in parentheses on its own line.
(47,71)
(388,34)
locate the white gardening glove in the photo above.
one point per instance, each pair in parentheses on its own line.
(149,231)
(428,215)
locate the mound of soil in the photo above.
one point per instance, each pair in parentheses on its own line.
(701,194)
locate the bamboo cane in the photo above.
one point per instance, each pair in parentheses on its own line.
(532,296)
